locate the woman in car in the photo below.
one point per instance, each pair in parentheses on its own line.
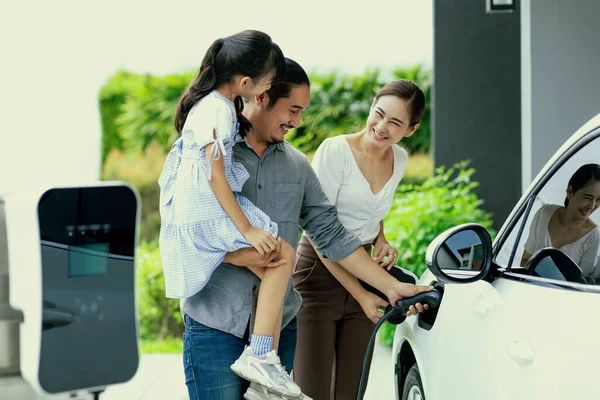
(359,173)
(569,227)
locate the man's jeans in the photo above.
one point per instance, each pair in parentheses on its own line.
(208,354)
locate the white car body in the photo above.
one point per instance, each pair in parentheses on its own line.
(508,338)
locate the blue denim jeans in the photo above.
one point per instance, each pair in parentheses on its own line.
(208,354)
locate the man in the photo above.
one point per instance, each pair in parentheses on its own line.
(283,185)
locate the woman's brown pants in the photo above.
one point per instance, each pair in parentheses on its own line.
(333,331)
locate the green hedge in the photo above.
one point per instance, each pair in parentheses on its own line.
(159,316)
(138,109)
(111,98)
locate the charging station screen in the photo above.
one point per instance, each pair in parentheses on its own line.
(88,260)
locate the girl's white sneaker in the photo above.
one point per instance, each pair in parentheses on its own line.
(267,371)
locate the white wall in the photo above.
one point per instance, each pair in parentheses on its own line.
(560,54)
(49,119)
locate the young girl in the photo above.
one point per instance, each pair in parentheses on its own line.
(203,216)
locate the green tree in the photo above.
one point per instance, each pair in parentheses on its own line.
(149,109)
(110,100)
(137,109)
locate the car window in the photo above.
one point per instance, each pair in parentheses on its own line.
(563,215)
(508,247)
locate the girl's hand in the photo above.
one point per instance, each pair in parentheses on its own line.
(261,240)
(383,249)
(371,304)
(249,257)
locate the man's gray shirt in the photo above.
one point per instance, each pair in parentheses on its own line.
(283,184)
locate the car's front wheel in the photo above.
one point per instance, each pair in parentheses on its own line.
(413,387)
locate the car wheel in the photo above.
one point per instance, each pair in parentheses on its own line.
(413,387)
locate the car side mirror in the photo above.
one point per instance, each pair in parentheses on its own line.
(461,254)
(552,263)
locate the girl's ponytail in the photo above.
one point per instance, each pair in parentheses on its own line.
(248,53)
(205,82)
(245,125)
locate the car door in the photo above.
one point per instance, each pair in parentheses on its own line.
(516,336)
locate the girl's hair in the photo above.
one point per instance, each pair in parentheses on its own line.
(294,76)
(409,91)
(581,177)
(248,53)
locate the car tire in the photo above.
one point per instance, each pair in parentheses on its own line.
(413,387)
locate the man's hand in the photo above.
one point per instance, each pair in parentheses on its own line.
(402,290)
(249,257)
(371,304)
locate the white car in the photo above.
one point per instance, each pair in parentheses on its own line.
(505,329)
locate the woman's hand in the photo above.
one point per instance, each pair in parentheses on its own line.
(383,249)
(261,240)
(371,304)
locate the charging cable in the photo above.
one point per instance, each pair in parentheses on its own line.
(396,315)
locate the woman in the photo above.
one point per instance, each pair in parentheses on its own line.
(570,228)
(359,174)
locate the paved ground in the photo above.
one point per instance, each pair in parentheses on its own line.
(160,377)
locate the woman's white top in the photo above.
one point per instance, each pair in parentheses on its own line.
(584,251)
(359,209)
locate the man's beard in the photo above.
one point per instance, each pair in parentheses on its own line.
(276,137)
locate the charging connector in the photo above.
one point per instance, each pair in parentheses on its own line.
(396,313)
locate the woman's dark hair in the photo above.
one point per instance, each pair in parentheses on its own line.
(248,53)
(294,76)
(409,91)
(581,177)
